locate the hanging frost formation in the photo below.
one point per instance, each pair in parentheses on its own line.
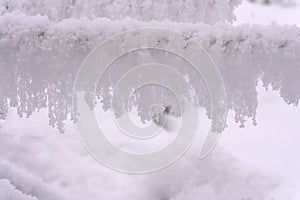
(43,43)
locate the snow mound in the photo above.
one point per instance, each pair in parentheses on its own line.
(68,170)
(9,192)
(28,186)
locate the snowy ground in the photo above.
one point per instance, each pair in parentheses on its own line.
(36,162)
(254,14)
(252,163)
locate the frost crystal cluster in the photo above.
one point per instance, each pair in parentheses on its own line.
(43,43)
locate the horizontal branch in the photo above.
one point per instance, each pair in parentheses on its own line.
(20,30)
(40,59)
(207,11)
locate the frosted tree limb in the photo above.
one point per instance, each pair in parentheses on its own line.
(207,11)
(20,30)
(47,54)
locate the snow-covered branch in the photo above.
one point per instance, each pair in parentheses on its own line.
(208,11)
(40,58)
(38,32)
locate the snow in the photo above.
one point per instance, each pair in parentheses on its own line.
(8,191)
(61,163)
(40,32)
(42,45)
(25,182)
(208,11)
(271,146)
(253,14)
(51,52)
(44,159)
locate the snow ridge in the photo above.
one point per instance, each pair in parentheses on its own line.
(28,187)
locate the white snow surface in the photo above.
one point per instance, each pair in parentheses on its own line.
(41,163)
(38,163)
